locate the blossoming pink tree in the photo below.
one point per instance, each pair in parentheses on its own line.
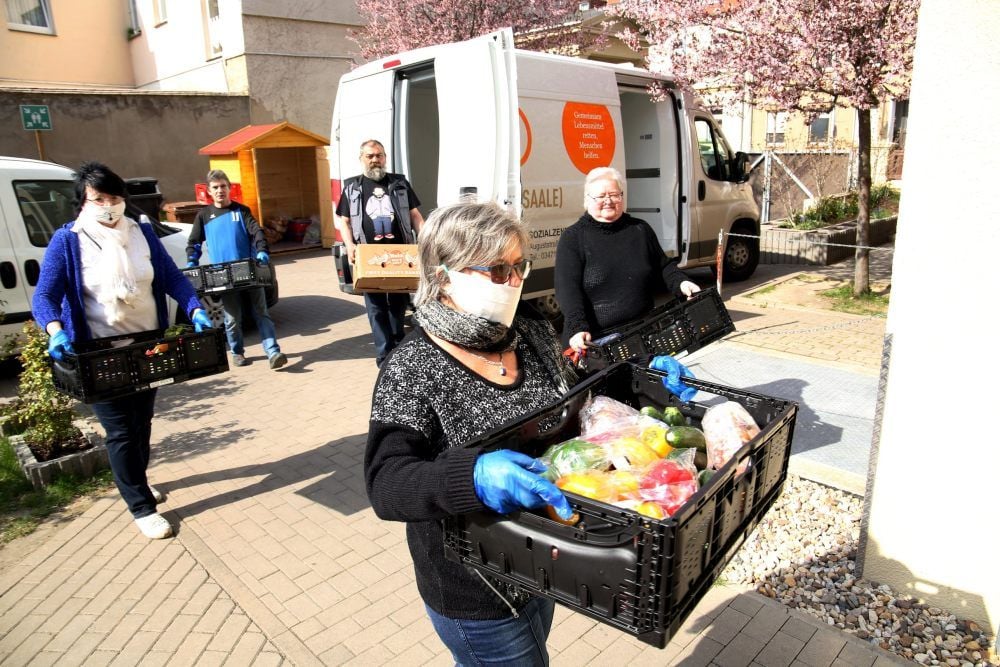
(789,55)
(393,26)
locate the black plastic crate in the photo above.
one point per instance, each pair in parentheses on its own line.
(99,371)
(229,276)
(683,327)
(640,575)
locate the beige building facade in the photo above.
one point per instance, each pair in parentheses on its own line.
(114,69)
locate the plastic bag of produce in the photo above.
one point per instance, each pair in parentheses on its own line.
(575,455)
(594,484)
(671,481)
(727,427)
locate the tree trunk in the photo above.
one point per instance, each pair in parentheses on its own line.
(861,274)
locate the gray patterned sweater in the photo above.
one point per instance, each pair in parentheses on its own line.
(426,405)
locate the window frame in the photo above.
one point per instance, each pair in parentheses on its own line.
(831,129)
(774,128)
(159,12)
(48,29)
(721,152)
(210,51)
(32,210)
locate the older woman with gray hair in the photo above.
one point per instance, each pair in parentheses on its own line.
(474,362)
(609,265)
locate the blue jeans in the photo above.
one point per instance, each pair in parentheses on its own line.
(385,314)
(508,641)
(128,422)
(232,306)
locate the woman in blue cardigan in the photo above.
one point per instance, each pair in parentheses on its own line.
(105,274)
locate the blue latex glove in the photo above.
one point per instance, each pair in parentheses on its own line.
(263,257)
(60,345)
(200,320)
(507,481)
(192,264)
(674,370)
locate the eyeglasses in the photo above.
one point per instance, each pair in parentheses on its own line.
(500,273)
(613,196)
(107,200)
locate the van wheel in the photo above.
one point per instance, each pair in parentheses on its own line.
(742,255)
(213,308)
(549,308)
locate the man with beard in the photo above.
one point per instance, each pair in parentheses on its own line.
(390,198)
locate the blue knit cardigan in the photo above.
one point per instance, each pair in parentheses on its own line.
(59,293)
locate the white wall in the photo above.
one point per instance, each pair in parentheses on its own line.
(932,525)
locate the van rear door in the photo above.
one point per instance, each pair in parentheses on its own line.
(479,145)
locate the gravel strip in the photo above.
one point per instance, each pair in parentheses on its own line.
(803,555)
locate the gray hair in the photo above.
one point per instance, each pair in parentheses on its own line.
(600,174)
(463,235)
(217,175)
(371,142)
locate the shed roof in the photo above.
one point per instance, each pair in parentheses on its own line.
(274,135)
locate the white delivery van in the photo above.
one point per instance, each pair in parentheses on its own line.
(524,128)
(36,199)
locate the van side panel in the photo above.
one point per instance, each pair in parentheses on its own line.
(556,101)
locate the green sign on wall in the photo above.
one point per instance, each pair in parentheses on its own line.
(35,117)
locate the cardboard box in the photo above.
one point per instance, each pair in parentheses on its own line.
(381,267)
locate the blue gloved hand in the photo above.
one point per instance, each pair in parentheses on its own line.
(192,264)
(60,345)
(674,370)
(200,320)
(263,257)
(507,481)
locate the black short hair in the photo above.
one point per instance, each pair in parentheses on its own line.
(100,177)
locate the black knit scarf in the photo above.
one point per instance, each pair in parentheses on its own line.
(477,333)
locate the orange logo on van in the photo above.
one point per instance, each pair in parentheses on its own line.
(526,137)
(588,134)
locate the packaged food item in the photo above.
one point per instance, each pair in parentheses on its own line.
(669,482)
(727,427)
(655,437)
(602,415)
(594,484)
(575,455)
(628,453)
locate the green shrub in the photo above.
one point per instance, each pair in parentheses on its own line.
(46,412)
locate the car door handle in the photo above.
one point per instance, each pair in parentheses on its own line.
(31,271)
(8,275)
(701,190)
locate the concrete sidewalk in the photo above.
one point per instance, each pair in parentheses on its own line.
(278,557)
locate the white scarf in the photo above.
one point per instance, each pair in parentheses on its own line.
(117,281)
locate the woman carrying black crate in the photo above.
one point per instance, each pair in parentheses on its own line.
(609,265)
(474,362)
(104,274)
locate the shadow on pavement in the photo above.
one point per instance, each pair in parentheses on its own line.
(337,464)
(357,347)
(310,314)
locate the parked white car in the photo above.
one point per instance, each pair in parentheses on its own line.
(36,199)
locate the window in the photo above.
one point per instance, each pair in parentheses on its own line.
(160,11)
(822,130)
(213,34)
(715,156)
(775,127)
(45,207)
(134,25)
(30,15)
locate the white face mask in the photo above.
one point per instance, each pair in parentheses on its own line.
(108,215)
(482,297)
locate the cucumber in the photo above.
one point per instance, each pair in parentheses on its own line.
(704,477)
(673,416)
(686,436)
(651,411)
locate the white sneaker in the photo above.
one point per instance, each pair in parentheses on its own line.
(154,526)
(157,495)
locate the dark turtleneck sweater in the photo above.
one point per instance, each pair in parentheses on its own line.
(607,274)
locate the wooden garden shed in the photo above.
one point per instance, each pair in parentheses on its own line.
(282,171)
